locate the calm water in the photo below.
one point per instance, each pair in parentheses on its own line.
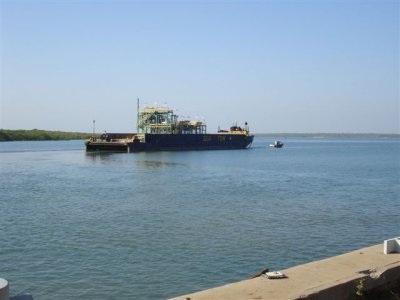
(155,225)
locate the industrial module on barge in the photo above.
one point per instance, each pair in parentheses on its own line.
(158,129)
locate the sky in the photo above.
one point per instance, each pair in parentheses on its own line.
(282,66)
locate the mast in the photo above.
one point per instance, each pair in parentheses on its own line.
(137,119)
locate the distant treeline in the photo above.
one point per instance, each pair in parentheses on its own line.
(40,135)
(45,135)
(331,135)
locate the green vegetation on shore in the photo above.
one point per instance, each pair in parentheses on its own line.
(40,135)
(331,135)
(46,135)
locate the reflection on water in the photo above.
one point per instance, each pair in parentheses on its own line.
(144,160)
(159,164)
(99,156)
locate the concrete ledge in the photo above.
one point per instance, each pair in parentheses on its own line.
(332,278)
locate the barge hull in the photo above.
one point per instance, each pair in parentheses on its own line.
(106,146)
(179,142)
(175,142)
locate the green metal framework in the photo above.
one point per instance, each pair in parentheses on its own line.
(162,120)
(191,127)
(157,120)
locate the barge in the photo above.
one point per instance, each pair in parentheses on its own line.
(158,129)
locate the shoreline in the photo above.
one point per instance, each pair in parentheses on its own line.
(332,135)
(8,135)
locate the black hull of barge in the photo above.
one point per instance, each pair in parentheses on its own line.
(106,146)
(176,142)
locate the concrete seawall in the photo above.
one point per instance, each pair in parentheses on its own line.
(338,277)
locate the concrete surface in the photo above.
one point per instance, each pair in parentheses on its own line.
(332,278)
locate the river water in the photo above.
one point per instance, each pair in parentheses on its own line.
(76,225)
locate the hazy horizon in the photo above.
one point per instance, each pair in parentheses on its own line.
(282,66)
(252,132)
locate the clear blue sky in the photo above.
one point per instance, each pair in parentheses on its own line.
(283,66)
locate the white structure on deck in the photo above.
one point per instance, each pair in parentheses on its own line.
(391,246)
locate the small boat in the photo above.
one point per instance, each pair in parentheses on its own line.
(277,144)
